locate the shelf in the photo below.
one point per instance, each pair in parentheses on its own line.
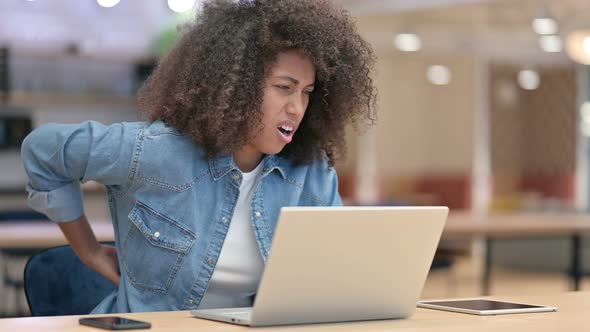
(35,99)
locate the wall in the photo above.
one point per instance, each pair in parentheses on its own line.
(423,130)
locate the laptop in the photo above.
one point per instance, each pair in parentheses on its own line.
(340,264)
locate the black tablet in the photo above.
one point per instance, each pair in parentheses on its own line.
(484,307)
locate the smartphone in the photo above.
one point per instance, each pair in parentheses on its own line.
(115,323)
(484,306)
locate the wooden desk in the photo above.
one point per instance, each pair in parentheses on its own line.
(39,235)
(571,316)
(522,225)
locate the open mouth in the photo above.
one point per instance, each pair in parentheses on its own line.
(286,130)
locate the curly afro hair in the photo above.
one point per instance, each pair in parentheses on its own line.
(210,85)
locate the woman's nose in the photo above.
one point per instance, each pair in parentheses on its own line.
(298,104)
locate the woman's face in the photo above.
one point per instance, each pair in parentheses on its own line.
(285,98)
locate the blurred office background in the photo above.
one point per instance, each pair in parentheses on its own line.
(484,106)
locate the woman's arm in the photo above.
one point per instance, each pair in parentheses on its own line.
(99,257)
(57,158)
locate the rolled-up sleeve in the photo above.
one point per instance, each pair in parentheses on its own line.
(58,157)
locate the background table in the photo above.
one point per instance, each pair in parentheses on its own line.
(31,235)
(522,225)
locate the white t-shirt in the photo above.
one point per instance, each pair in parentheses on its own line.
(239,267)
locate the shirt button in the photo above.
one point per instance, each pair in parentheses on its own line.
(257,213)
(224,220)
(157,234)
(191,301)
(236,176)
(209,261)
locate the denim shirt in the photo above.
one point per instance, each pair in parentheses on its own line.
(170,204)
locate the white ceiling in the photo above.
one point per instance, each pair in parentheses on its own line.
(129,29)
(48,26)
(498,29)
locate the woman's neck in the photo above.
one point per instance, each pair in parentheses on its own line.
(247,159)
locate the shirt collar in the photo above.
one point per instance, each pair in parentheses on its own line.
(222,165)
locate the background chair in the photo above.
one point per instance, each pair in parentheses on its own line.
(58,283)
(13,260)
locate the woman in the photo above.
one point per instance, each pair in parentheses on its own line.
(246,115)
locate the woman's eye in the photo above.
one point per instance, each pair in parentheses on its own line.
(308,92)
(283,87)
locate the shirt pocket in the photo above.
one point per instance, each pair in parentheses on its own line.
(154,249)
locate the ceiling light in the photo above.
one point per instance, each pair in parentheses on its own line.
(408,42)
(585,112)
(585,115)
(438,75)
(181,6)
(528,79)
(586,45)
(545,26)
(544,23)
(578,46)
(550,44)
(107,3)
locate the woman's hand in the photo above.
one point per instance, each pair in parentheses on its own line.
(99,257)
(104,261)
